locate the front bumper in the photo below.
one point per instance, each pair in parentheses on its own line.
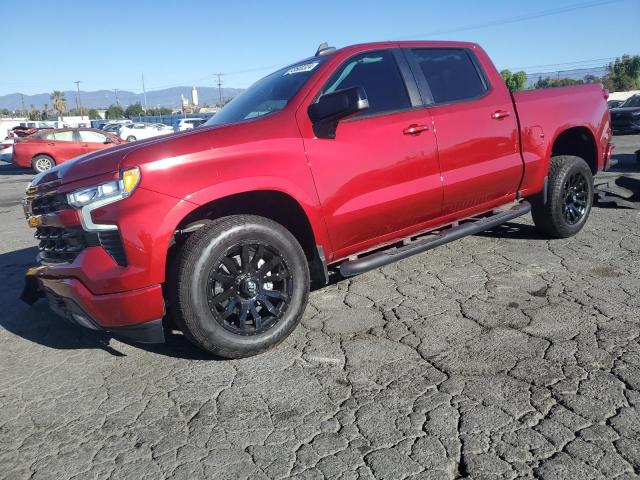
(136,314)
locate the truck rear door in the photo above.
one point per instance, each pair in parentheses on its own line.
(475,125)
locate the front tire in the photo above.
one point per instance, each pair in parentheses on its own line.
(42,163)
(240,286)
(131,138)
(569,198)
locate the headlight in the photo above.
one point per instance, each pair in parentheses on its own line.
(108,192)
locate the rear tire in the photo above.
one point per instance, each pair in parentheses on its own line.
(569,198)
(240,286)
(42,163)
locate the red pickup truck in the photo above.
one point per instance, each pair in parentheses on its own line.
(341,163)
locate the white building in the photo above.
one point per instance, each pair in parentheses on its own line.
(194,97)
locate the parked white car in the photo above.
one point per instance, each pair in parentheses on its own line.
(188,124)
(137,131)
(6,149)
(115,126)
(36,124)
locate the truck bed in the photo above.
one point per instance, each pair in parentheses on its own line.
(544,114)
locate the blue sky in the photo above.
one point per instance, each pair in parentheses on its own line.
(110,44)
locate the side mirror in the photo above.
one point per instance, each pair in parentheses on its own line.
(332,107)
(109,140)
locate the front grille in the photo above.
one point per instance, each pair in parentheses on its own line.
(60,244)
(112,243)
(49,204)
(64,244)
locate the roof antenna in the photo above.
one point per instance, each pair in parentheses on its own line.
(324,49)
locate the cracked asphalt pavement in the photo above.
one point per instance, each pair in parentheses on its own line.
(501,355)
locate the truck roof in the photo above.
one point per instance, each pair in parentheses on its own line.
(409,44)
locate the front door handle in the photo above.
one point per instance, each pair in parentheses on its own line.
(415,129)
(500,114)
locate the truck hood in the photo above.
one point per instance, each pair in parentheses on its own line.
(92,164)
(112,159)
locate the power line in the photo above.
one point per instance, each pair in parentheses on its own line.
(78,99)
(604,60)
(518,18)
(219,75)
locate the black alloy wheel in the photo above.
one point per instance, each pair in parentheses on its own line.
(238,285)
(575,197)
(249,288)
(569,198)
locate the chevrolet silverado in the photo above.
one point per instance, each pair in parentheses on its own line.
(335,165)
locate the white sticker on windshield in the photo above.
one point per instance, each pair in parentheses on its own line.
(302,68)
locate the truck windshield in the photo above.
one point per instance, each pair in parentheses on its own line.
(632,102)
(268,95)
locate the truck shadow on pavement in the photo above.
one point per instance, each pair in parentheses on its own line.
(40,325)
(619,192)
(11,169)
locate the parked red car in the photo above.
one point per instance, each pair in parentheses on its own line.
(343,162)
(48,148)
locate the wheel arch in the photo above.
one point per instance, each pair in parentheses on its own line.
(273,204)
(33,157)
(578,141)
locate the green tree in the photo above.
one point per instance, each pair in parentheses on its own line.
(93,114)
(159,111)
(549,82)
(59,102)
(114,112)
(34,114)
(514,81)
(624,74)
(134,110)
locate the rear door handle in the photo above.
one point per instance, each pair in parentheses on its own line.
(415,129)
(500,114)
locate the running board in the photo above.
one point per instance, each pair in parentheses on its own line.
(471,227)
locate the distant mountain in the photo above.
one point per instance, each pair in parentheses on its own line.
(169,97)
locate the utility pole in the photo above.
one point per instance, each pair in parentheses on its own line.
(78,99)
(145,95)
(115,90)
(22,100)
(219,75)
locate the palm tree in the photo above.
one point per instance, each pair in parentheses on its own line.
(34,114)
(59,102)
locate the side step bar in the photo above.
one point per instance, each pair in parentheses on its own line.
(379,259)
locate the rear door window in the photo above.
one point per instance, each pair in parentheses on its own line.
(64,136)
(451,74)
(90,136)
(379,75)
